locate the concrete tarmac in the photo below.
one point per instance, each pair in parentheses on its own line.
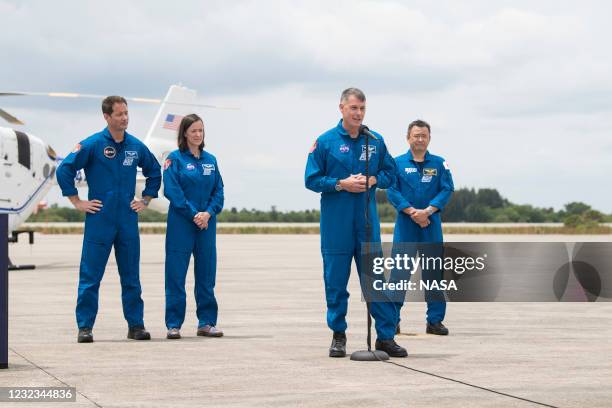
(274,352)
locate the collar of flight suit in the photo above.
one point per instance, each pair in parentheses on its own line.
(425,159)
(107,135)
(342,131)
(187,152)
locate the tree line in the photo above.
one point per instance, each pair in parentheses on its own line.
(466,205)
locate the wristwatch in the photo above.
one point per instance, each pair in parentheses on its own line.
(429,210)
(146,202)
(338,187)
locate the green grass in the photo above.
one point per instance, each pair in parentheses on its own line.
(535,230)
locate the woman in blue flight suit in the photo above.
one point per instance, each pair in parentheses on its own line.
(193,185)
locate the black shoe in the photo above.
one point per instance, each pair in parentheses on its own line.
(85,335)
(437,328)
(391,348)
(138,333)
(338,345)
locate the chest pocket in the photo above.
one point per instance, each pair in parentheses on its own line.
(430,178)
(127,162)
(409,175)
(189,174)
(374,159)
(340,159)
(208,169)
(130,157)
(208,176)
(198,178)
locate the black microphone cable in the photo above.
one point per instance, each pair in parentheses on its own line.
(465,383)
(363,129)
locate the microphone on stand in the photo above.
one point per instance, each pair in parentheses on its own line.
(369,354)
(363,129)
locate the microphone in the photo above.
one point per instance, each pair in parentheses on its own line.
(369,354)
(366,131)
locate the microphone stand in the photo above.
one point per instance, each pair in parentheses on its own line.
(369,354)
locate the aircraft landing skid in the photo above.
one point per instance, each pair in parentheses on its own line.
(14,238)
(13,267)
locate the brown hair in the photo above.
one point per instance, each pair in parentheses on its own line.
(109,101)
(186,122)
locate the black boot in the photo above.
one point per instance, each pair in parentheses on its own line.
(437,328)
(391,348)
(138,333)
(85,335)
(338,345)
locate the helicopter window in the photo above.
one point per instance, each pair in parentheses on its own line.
(23,149)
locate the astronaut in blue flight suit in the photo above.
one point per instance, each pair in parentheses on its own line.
(110,159)
(194,187)
(335,168)
(423,188)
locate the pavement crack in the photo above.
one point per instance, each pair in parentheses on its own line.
(55,377)
(470,385)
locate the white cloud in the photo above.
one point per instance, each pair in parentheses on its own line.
(518,92)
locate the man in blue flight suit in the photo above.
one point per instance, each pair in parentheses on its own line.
(109,159)
(335,168)
(423,188)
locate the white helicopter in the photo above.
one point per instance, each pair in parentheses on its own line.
(29,163)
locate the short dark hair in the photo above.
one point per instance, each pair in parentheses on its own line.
(186,122)
(356,92)
(109,101)
(418,123)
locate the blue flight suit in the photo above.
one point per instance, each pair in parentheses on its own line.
(420,185)
(110,169)
(335,156)
(191,185)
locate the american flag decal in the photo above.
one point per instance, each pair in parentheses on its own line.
(172,122)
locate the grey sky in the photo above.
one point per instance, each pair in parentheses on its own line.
(519,94)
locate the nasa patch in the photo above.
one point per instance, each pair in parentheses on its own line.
(344,149)
(409,170)
(208,169)
(110,152)
(426,179)
(190,166)
(167,164)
